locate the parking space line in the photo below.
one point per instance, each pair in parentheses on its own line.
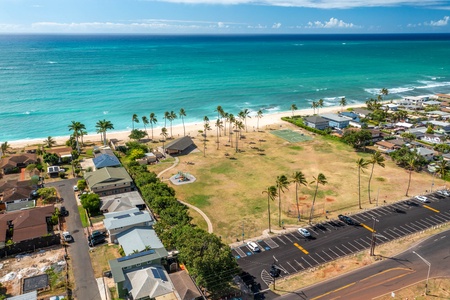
(315,260)
(359,244)
(368,244)
(278,238)
(337,255)
(385,210)
(292,266)
(240,252)
(413,229)
(320,257)
(422,222)
(307,262)
(445,214)
(367,227)
(301,248)
(347,248)
(431,221)
(417,226)
(386,233)
(404,228)
(287,238)
(373,212)
(293,236)
(320,228)
(312,230)
(393,232)
(283,268)
(358,218)
(420,227)
(271,243)
(357,249)
(299,264)
(440,218)
(343,251)
(335,226)
(327,255)
(403,233)
(430,208)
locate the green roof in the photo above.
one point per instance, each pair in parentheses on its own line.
(107,176)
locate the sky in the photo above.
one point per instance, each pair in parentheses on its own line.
(224,16)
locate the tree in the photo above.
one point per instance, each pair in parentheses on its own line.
(361,165)
(357,138)
(49,142)
(153,120)
(172,116)
(81,185)
(259,115)
(134,119)
(182,114)
(442,168)
(271,194)
(91,202)
(281,184)
(30,168)
(145,122)
(343,102)
(166,117)
(408,137)
(321,179)
(136,154)
(376,159)
(137,134)
(244,114)
(164,135)
(238,126)
(298,178)
(293,108)
(77,127)
(5,147)
(412,164)
(219,127)
(47,194)
(314,105)
(319,105)
(103,126)
(50,158)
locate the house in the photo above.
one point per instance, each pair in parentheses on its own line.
(316,122)
(26,224)
(122,266)
(428,154)
(117,222)
(13,164)
(412,102)
(106,160)
(64,152)
(108,181)
(443,97)
(149,158)
(14,191)
(27,296)
(440,126)
(180,146)
(438,114)
(121,202)
(185,286)
(390,107)
(386,146)
(117,145)
(418,132)
(397,142)
(336,121)
(431,103)
(30,149)
(433,138)
(138,239)
(362,112)
(377,135)
(53,171)
(150,283)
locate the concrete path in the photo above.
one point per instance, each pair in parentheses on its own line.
(169,168)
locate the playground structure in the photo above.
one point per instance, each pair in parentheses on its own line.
(182,178)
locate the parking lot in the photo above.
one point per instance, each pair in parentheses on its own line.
(292,252)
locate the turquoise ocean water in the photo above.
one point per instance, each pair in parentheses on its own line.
(46,81)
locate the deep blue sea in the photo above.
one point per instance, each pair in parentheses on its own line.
(46,81)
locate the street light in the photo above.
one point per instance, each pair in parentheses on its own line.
(374,237)
(429,268)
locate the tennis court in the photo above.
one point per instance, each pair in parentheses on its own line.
(291,136)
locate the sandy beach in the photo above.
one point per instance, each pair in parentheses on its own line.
(191,129)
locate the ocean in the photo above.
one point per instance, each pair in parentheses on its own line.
(47,81)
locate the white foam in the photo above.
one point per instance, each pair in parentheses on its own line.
(432,84)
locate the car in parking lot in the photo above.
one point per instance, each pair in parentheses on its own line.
(444,192)
(67,237)
(253,246)
(411,203)
(304,232)
(421,198)
(274,271)
(347,220)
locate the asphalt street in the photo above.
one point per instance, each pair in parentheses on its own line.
(85,284)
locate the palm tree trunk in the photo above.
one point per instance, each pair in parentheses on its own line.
(268,210)
(184,128)
(296,199)
(409,181)
(104,138)
(359,187)
(370,178)
(152,131)
(279,207)
(312,206)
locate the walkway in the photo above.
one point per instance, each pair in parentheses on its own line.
(208,221)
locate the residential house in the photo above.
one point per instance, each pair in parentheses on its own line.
(354,118)
(121,202)
(336,121)
(440,126)
(428,154)
(30,149)
(390,107)
(108,181)
(106,160)
(443,97)
(386,146)
(180,146)
(412,102)
(362,112)
(64,152)
(149,158)
(117,145)
(13,163)
(27,296)
(377,135)
(185,286)
(438,114)
(431,103)
(138,239)
(150,283)
(122,266)
(117,222)
(14,191)
(316,122)
(397,142)
(53,171)
(419,132)
(25,224)
(433,138)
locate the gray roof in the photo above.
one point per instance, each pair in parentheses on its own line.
(121,202)
(315,119)
(335,118)
(423,151)
(362,111)
(126,218)
(106,160)
(28,296)
(180,144)
(151,282)
(138,238)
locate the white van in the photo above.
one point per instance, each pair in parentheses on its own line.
(253,246)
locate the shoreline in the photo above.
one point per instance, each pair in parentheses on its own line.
(191,128)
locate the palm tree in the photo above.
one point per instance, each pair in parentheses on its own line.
(281,184)
(5,147)
(271,194)
(82,134)
(77,127)
(166,117)
(442,168)
(103,126)
(259,115)
(314,105)
(319,104)
(206,127)
(361,164)
(412,164)
(244,114)
(220,112)
(49,142)
(293,108)
(343,102)
(298,178)
(145,122)
(164,135)
(231,120)
(219,127)
(182,114)
(134,119)
(321,179)
(152,121)
(238,125)
(226,119)
(376,159)
(384,92)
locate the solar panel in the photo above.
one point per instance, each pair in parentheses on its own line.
(122,217)
(158,273)
(138,213)
(155,273)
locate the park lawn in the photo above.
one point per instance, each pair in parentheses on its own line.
(100,257)
(229,185)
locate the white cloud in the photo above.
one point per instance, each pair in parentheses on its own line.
(442,22)
(276,25)
(332,23)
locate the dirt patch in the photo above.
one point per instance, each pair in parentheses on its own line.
(21,266)
(328,199)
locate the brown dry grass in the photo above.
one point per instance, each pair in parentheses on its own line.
(100,257)
(229,191)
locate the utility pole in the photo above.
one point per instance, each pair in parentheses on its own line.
(374,238)
(429,268)
(243,234)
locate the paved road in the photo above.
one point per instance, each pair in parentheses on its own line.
(85,285)
(386,276)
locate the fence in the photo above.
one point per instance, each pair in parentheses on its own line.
(30,245)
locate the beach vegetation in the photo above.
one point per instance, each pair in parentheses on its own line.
(153,120)
(49,142)
(413,163)
(442,168)
(322,180)
(343,103)
(182,114)
(77,128)
(145,122)
(376,159)
(358,139)
(103,126)
(314,106)
(282,184)
(361,164)
(166,117)
(136,153)
(50,158)
(134,119)
(298,178)
(293,108)
(137,134)
(5,147)
(172,116)
(259,115)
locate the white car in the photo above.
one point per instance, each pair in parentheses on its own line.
(253,246)
(421,199)
(67,237)
(444,192)
(75,188)
(304,232)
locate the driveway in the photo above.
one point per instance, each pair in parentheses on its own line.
(85,283)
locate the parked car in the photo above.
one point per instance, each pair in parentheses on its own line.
(422,199)
(63,212)
(411,203)
(75,188)
(347,220)
(253,246)
(67,237)
(274,271)
(444,193)
(304,232)
(399,211)
(97,240)
(96,234)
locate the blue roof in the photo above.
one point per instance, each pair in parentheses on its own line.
(105,160)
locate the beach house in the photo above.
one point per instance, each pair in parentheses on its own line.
(14,163)
(336,121)
(109,180)
(316,122)
(180,146)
